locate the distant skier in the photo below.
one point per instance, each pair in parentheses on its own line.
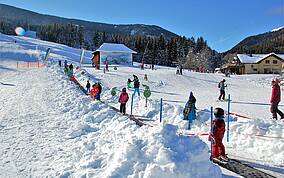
(180,69)
(189,111)
(146,77)
(123,98)
(59,62)
(222,86)
(152,66)
(177,72)
(65,63)
(136,85)
(142,65)
(218,150)
(88,86)
(106,65)
(275,99)
(129,84)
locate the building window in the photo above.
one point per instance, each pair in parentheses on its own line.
(254,69)
(274,61)
(267,61)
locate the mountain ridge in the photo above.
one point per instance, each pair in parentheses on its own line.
(34,18)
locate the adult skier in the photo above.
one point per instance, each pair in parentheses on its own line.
(222,86)
(123,98)
(218,150)
(275,99)
(189,111)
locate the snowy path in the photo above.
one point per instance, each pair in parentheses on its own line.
(31,124)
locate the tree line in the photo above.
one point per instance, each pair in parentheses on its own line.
(190,52)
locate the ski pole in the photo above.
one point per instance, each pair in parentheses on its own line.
(211,131)
(131,105)
(161,109)
(228,117)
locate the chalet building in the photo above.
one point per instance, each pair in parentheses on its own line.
(255,64)
(113,54)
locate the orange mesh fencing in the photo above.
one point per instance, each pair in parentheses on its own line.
(30,65)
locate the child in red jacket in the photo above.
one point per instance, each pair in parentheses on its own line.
(123,98)
(94,91)
(218,150)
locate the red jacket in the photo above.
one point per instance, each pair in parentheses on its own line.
(276,94)
(218,129)
(123,98)
(94,91)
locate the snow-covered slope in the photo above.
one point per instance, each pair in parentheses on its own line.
(49,128)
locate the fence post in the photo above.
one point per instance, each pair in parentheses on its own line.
(131,105)
(28,64)
(211,131)
(161,109)
(228,117)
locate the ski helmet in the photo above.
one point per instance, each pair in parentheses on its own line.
(219,112)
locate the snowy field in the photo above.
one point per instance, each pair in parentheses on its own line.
(50,128)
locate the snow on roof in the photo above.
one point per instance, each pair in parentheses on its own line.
(255,58)
(112,47)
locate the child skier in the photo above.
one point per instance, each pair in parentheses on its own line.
(88,86)
(222,86)
(94,91)
(98,96)
(123,98)
(129,84)
(146,77)
(218,150)
(189,111)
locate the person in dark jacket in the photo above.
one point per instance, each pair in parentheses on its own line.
(98,96)
(71,68)
(189,111)
(275,99)
(218,150)
(222,86)
(123,98)
(59,62)
(136,85)
(88,86)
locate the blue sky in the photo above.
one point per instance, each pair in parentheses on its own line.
(223,23)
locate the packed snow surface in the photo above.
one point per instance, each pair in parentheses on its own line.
(50,128)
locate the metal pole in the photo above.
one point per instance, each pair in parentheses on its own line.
(211,131)
(161,109)
(131,104)
(228,117)
(146,103)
